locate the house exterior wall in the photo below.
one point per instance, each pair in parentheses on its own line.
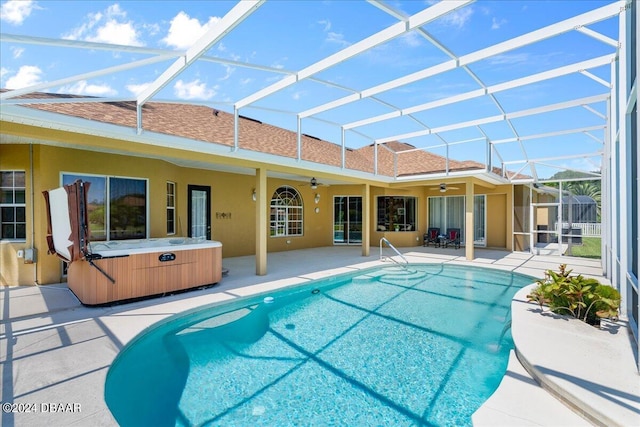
(231,193)
(499,211)
(498,215)
(13,270)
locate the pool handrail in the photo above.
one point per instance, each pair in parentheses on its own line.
(382,258)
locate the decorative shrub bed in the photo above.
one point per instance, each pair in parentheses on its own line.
(583,298)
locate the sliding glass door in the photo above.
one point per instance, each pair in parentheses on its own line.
(347,219)
(449,212)
(479,220)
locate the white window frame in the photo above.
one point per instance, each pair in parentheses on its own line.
(15,206)
(107,204)
(404,225)
(171,207)
(285,213)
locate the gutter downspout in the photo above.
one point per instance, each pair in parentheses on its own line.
(33,212)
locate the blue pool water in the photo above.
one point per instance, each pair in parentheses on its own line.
(388,347)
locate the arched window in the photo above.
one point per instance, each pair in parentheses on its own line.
(286,212)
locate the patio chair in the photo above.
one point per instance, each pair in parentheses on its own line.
(452,237)
(431,236)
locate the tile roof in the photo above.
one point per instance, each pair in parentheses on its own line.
(203,123)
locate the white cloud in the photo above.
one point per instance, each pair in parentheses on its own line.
(326,24)
(115,11)
(137,89)
(244,82)
(17,52)
(79,33)
(16,11)
(298,94)
(28,75)
(118,33)
(184,31)
(83,88)
(109,26)
(458,18)
(152,29)
(496,24)
(411,39)
(337,38)
(229,72)
(193,90)
(3,72)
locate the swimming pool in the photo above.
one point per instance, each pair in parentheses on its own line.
(425,345)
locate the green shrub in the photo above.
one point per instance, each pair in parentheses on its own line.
(583,298)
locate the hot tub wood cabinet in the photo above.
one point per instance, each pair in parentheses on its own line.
(144,268)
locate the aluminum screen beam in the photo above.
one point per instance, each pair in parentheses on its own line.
(78,44)
(550,31)
(235,16)
(598,36)
(85,76)
(546,159)
(430,14)
(549,134)
(498,118)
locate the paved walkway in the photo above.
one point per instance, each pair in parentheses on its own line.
(55,352)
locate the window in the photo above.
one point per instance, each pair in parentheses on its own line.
(116,204)
(13,223)
(396,213)
(286,213)
(171,207)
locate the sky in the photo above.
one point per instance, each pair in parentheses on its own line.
(287,36)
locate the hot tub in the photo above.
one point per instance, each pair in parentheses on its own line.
(144,268)
(118,270)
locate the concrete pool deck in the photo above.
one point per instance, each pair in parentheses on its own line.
(55,352)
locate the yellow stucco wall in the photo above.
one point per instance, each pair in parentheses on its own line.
(230,194)
(496,220)
(13,270)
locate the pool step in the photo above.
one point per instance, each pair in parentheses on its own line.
(404,277)
(404,273)
(369,277)
(391,275)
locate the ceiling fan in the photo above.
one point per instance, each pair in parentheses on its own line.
(314,184)
(443,188)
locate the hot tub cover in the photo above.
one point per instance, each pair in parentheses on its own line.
(67,220)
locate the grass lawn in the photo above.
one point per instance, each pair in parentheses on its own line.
(590,248)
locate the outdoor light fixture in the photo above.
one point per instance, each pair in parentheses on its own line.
(253,195)
(443,188)
(314,184)
(317,198)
